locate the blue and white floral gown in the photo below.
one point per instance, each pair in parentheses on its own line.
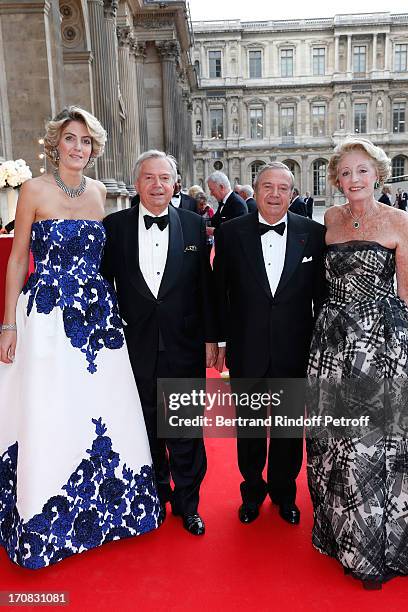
(75,464)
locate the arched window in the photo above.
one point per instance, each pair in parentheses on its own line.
(398,166)
(255,167)
(319,177)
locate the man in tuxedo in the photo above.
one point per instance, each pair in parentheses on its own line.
(230,204)
(247,193)
(182,200)
(297,205)
(309,205)
(156,256)
(270,284)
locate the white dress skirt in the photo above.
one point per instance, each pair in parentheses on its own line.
(75,464)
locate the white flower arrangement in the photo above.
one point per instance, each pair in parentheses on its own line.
(14,173)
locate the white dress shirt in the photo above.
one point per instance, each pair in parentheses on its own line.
(153,247)
(176,200)
(274,251)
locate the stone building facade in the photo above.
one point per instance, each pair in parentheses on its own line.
(127,61)
(291,90)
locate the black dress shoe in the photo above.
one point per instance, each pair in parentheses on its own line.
(247,513)
(290,513)
(194,524)
(162,515)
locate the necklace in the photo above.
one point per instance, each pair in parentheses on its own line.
(356,220)
(72,192)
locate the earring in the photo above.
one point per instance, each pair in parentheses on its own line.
(91,162)
(55,155)
(377,184)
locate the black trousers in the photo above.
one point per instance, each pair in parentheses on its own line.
(182,459)
(284,457)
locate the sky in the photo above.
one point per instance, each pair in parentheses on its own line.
(258,10)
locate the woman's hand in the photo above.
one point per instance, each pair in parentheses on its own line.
(8,341)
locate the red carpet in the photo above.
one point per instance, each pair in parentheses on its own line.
(267,565)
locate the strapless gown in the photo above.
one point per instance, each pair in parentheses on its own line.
(359,485)
(75,464)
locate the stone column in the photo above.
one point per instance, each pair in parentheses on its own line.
(386,52)
(336,53)
(105,86)
(349,55)
(374,66)
(168,51)
(127,76)
(139,51)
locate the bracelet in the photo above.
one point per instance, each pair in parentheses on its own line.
(8,327)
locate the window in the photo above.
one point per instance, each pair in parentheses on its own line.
(318,120)
(217,123)
(255,64)
(255,167)
(401,52)
(197,67)
(288,122)
(398,117)
(360,118)
(398,166)
(214,58)
(256,122)
(319,177)
(319,60)
(287,62)
(359,59)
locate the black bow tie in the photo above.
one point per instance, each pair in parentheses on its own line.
(162,222)
(280,228)
(176,195)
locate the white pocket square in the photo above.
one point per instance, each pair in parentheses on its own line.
(307,259)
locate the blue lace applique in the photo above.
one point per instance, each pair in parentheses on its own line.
(99,503)
(67,256)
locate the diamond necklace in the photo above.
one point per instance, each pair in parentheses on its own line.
(72,192)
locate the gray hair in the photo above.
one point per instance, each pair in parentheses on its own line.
(275,165)
(155,154)
(220,179)
(247,191)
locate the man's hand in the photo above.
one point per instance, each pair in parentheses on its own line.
(211,353)
(3,231)
(221,359)
(210,231)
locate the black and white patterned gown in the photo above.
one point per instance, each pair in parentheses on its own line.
(359,486)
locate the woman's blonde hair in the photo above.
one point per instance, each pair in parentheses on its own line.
(376,154)
(54,128)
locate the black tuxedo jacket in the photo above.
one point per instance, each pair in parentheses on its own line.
(251,205)
(184,309)
(298,207)
(309,206)
(265,331)
(187,203)
(234,207)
